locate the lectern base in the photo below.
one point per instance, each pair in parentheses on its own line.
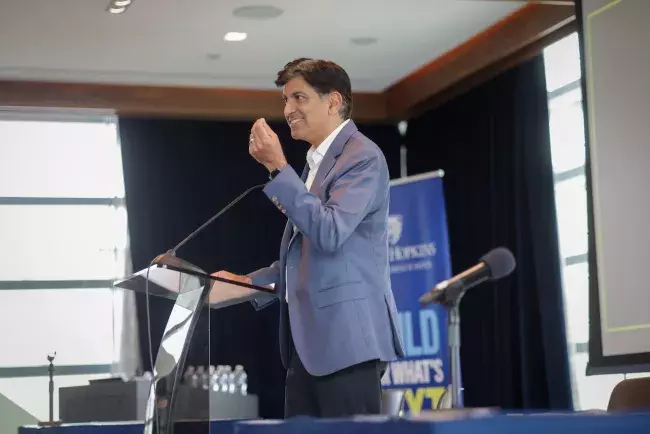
(193,289)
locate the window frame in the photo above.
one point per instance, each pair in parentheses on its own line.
(87,116)
(559,177)
(582,384)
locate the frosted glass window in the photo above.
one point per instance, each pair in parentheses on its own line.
(76,323)
(576,300)
(60,156)
(62,242)
(571,203)
(567,131)
(562,62)
(60,159)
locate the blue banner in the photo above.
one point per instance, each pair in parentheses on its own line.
(419,259)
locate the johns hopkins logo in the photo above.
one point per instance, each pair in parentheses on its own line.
(405,253)
(395,225)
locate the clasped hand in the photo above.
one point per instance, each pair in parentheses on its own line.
(264,146)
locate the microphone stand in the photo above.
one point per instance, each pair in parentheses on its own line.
(51,422)
(452,304)
(51,372)
(494,265)
(453,342)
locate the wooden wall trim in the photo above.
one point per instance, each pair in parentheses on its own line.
(168,101)
(526,53)
(525,27)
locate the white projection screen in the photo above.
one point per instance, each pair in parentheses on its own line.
(615,56)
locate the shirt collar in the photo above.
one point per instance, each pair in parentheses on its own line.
(315,155)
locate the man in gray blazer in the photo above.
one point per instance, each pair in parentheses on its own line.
(338,323)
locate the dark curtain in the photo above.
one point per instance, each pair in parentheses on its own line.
(178,173)
(493,145)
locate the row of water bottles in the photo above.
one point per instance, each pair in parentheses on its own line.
(221,378)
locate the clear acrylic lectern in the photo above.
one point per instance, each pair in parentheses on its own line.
(194,292)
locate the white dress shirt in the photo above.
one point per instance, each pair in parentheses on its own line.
(314,158)
(315,155)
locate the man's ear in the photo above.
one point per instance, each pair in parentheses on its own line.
(335,103)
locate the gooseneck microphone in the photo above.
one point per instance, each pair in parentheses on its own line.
(216,216)
(169,258)
(494,265)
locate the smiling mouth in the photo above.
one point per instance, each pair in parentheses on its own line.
(292,122)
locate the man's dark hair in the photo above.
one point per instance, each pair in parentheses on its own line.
(324,76)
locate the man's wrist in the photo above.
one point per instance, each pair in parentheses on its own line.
(279,165)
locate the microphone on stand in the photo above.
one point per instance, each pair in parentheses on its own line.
(494,265)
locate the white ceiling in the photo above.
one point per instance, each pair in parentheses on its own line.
(166,42)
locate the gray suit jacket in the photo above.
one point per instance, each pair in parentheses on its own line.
(341,308)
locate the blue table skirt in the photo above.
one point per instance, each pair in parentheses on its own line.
(575,423)
(499,424)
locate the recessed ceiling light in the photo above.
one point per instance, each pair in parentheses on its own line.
(234,36)
(116,10)
(259,12)
(364,41)
(118,6)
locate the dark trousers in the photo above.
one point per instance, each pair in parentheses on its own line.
(351,391)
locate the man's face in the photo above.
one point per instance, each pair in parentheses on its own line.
(306,112)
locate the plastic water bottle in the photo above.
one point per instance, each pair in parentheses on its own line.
(187,377)
(223,379)
(215,378)
(240,380)
(211,377)
(200,377)
(194,379)
(205,379)
(188,374)
(231,380)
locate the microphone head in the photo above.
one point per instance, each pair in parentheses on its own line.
(500,261)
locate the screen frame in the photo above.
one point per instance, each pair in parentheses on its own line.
(598,364)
